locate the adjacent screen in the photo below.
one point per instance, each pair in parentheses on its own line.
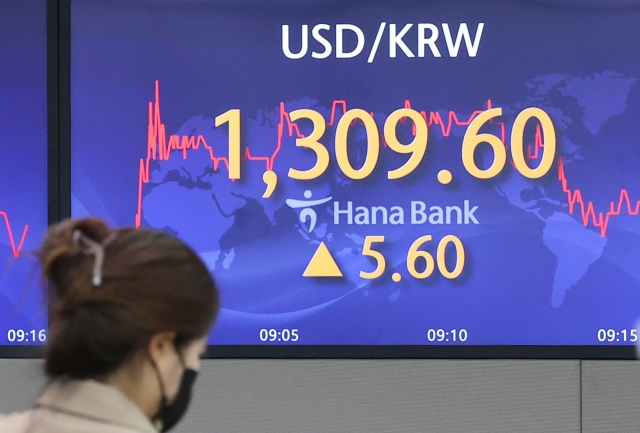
(368,173)
(23,170)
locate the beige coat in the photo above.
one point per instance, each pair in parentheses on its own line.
(79,406)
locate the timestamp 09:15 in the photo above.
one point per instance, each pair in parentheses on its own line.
(613,335)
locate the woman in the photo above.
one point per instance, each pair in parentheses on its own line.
(130,313)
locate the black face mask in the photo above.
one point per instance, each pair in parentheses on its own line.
(169,414)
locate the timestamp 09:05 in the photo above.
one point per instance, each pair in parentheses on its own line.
(283,335)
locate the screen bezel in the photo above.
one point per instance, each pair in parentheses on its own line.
(420,352)
(59,175)
(58,133)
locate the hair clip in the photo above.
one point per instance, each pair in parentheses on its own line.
(94,248)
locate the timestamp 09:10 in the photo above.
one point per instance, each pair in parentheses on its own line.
(451,335)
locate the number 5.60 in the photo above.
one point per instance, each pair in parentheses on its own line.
(414,254)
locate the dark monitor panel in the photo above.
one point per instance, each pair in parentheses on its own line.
(23,171)
(375,179)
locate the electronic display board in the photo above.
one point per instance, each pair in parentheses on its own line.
(23,170)
(374,174)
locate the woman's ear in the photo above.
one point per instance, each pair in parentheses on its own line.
(160,344)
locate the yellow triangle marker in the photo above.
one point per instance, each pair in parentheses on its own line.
(322,264)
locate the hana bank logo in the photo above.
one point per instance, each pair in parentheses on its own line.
(307,212)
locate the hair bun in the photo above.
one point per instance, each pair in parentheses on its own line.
(62,257)
(154,283)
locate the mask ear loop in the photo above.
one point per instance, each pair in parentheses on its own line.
(159,424)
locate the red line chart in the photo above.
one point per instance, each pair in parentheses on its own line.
(15,249)
(160,147)
(587,210)
(575,197)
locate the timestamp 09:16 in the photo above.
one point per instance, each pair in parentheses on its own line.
(26,336)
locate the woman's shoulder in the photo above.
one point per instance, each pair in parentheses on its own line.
(15,422)
(68,405)
(50,420)
(85,405)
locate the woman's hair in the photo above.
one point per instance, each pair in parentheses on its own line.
(151,282)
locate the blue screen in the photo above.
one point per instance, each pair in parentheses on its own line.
(374,173)
(23,170)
